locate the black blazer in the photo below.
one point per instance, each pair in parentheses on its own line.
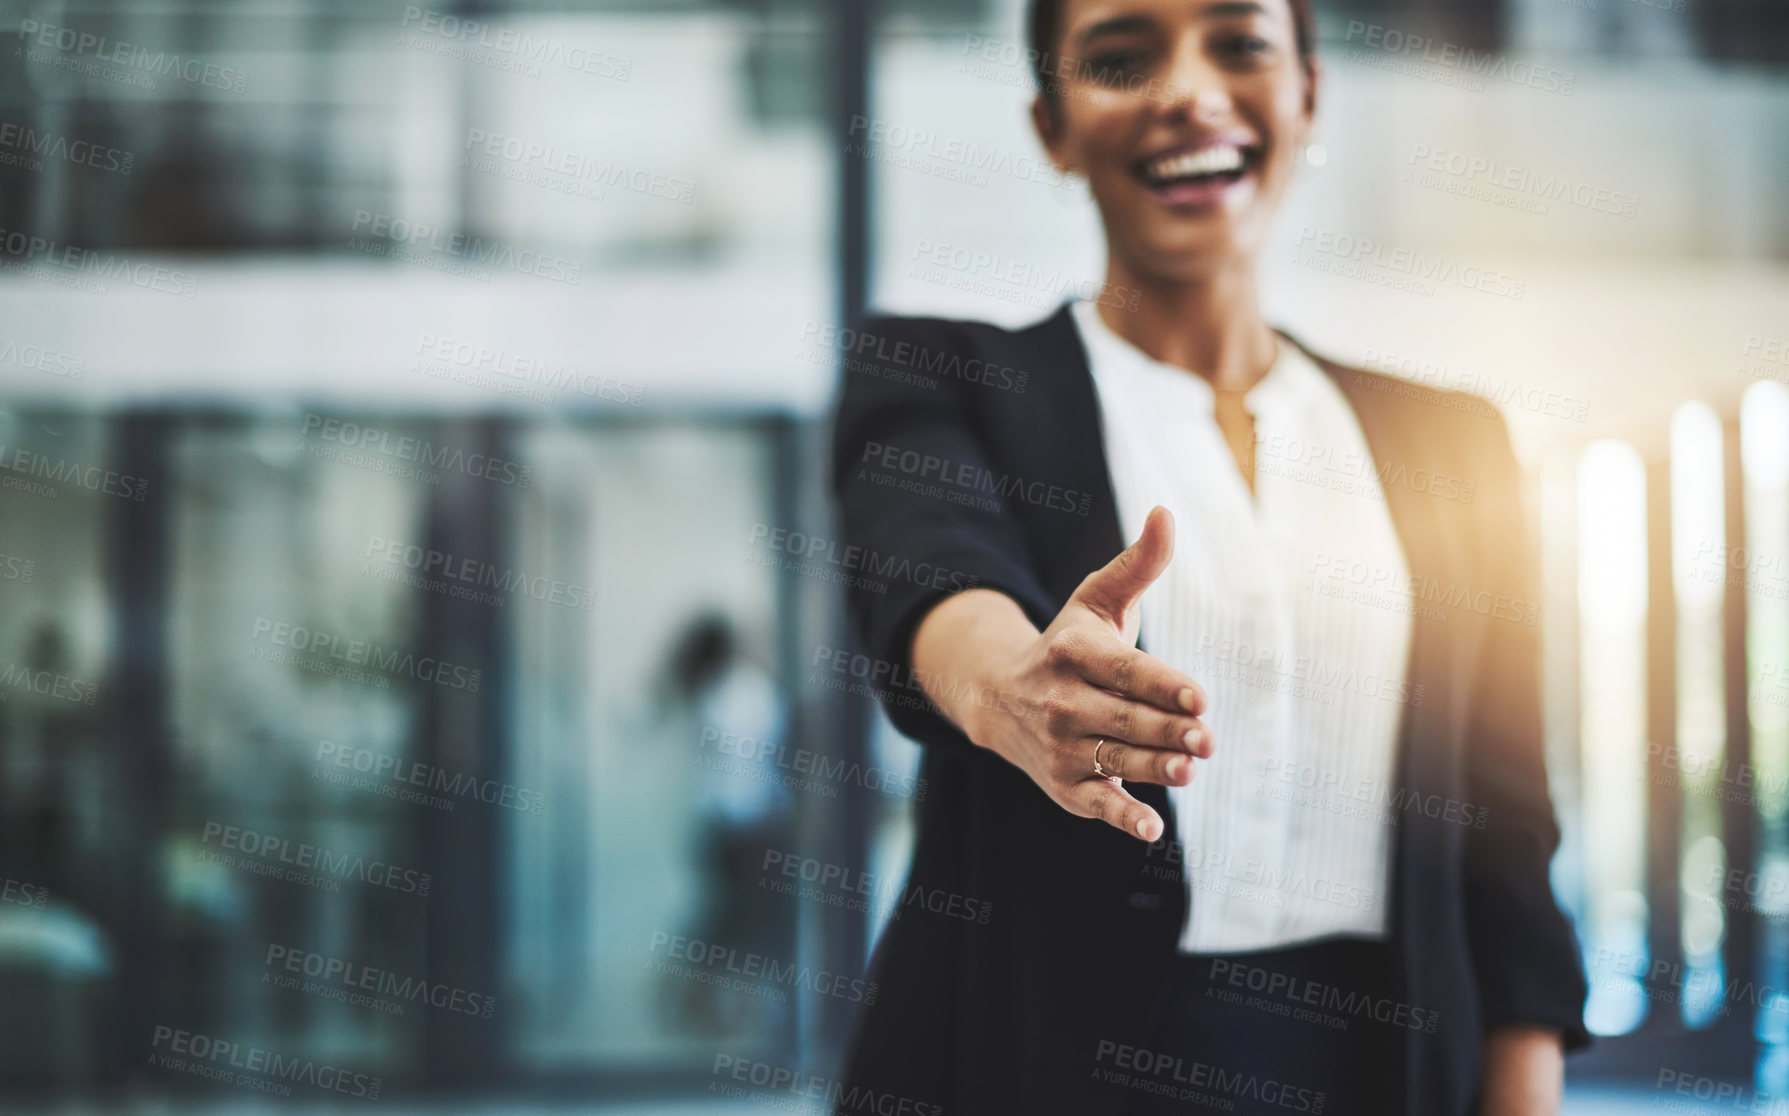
(965,453)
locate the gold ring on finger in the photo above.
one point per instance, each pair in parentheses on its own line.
(1097,769)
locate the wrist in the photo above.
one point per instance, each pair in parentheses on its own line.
(980,702)
(960,651)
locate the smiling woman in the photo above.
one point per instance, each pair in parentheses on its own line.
(1242,74)
(1349,910)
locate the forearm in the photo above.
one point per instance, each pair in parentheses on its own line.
(958,646)
(1524,1072)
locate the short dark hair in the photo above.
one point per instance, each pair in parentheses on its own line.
(1045,25)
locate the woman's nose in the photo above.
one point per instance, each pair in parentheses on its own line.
(1192,85)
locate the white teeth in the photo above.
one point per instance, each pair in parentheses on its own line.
(1219,159)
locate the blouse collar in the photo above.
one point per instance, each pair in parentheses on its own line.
(1110,354)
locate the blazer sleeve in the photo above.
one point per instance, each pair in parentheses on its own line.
(902,419)
(1525,954)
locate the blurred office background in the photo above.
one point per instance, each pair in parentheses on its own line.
(408,411)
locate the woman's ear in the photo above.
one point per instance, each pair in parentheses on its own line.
(1313,74)
(1046,122)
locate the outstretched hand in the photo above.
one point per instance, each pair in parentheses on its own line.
(1083,680)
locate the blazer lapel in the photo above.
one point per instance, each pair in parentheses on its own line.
(1443,654)
(1444,651)
(1064,412)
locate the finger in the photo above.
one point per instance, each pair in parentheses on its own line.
(1114,587)
(1117,717)
(1117,666)
(1112,804)
(1144,765)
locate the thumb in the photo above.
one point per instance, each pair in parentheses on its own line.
(1111,590)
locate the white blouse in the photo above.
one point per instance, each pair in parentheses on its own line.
(1286,831)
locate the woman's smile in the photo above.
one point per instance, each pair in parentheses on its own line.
(1186,117)
(1200,175)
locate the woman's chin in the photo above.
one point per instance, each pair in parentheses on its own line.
(1185,259)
